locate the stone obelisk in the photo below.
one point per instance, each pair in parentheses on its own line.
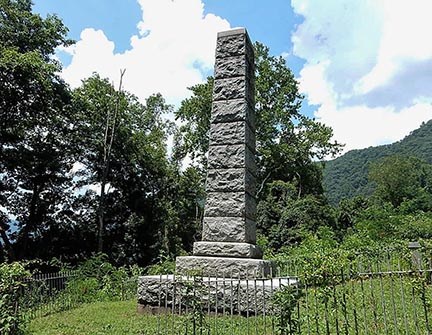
(229,235)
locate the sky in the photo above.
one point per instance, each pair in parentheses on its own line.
(364,66)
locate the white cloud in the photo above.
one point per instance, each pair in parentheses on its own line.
(314,83)
(362,126)
(173,50)
(406,30)
(368,65)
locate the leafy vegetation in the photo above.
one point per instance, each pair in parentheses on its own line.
(84,170)
(12,319)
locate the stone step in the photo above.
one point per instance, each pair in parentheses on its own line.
(224,266)
(227,249)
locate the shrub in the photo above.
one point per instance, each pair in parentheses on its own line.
(12,320)
(286,302)
(98,280)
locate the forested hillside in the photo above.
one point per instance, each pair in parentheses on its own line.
(347,176)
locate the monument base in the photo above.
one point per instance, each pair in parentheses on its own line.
(174,294)
(227,267)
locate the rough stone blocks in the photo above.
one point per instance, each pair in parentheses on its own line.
(230,180)
(227,249)
(230,204)
(228,267)
(231,156)
(233,88)
(232,133)
(229,229)
(231,111)
(234,43)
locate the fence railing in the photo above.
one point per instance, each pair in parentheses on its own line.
(390,296)
(353,302)
(44,294)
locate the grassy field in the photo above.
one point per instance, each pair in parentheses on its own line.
(96,318)
(117,318)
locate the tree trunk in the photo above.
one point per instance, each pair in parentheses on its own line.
(31,220)
(108,142)
(6,242)
(101,216)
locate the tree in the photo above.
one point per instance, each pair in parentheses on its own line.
(399,178)
(349,211)
(287,141)
(134,146)
(193,135)
(286,219)
(112,117)
(34,120)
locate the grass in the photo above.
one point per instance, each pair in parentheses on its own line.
(117,318)
(94,319)
(378,305)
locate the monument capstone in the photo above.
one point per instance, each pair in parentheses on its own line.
(228,243)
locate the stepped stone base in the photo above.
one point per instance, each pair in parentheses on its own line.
(227,267)
(227,249)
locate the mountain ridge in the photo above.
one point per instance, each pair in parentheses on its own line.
(347,175)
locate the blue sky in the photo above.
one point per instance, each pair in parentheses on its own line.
(365,66)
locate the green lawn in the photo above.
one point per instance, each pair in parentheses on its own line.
(97,319)
(117,318)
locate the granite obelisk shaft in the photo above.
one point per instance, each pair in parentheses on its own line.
(229,234)
(229,214)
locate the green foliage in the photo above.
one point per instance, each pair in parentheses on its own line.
(415,227)
(35,121)
(12,321)
(192,292)
(348,212)
(400,178)
(164,267)
(285,218)
(193,136)
(320,258)
(286,302)
(347,176)
(98,280)
(53,149)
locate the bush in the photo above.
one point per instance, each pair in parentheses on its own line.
(286,302)
(12,320)
(98,280)
(164,267)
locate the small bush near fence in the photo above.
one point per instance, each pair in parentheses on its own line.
(94,280)
(12,278)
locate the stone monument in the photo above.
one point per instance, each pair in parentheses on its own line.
(229,236)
